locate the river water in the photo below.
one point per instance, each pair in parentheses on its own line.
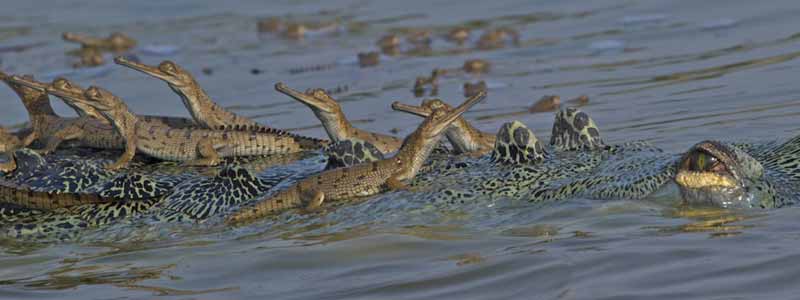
(669,72)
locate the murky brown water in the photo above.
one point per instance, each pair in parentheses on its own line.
(670,72)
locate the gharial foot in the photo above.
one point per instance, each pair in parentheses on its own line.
(202,162)
(395,184)
(316,202)
(116,165)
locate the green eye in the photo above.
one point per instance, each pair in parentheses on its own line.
(702,162)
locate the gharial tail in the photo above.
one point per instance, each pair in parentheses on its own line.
(282,201)
(20,195)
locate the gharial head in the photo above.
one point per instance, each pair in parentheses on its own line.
(25,86)
(714,173)
(71,93)
(423,110)
(317,99)
(115,41)
(441,118)
(168,71)
(103,100)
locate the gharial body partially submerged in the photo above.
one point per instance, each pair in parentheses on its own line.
(576,163)
(61,194)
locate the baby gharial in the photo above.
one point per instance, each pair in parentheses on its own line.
(463,136)
(192,145)
(362,179)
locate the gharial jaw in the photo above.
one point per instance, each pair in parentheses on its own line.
(463,137)
(31,92)
(419,144)
(67,91)
(167,71)
(109,106)
(336,124)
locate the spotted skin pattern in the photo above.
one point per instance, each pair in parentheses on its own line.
(516,144)
(350,152)
(574,130)
(202,197)
(59,175)
(578,164)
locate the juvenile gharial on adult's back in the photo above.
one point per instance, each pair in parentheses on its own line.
(192,145)
(89,129)
(333,119)
(362,179)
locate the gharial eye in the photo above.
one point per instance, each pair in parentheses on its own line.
(167,66)
(701,161)
(319,93)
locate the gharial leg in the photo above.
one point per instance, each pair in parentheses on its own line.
(208,155)
(126,157)
(29,138)
(393,183)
